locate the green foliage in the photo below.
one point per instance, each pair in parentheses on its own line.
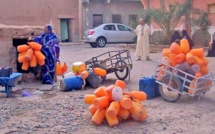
(146,15)
(133,23)
(203,20)
(168,17)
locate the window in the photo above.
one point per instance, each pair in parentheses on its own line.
(211,9)
(97,20)
(116,18)
(64,30)
(123,28)
(133,20)
(110,27)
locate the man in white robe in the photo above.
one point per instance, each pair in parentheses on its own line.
(143,32)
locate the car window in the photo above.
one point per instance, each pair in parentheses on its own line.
(110,27)
(123,28)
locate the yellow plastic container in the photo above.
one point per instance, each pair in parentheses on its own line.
(78,67)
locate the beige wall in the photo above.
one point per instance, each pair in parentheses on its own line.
(40,12)
(124,8)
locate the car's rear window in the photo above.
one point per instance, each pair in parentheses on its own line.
(123,28)
(110,27)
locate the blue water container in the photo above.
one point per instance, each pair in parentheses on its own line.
(149,86)
(71,83)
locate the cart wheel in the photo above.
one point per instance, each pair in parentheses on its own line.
(166,93)
(122,73)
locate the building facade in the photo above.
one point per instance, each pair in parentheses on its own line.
(71,18)
(64,15)
(96,12)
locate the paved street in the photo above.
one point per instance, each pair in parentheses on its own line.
(65,112)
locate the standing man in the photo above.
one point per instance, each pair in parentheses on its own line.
(143,32)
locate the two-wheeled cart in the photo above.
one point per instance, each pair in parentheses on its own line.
(9,82)
(174,82)
(118,62)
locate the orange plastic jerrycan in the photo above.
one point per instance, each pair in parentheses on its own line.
(99,71)
(190,58)
(89,98)
(172,60)
(166,52)
(198,52)
(175,48)
(120,84)
(185,47)
(180,58)
(98,117)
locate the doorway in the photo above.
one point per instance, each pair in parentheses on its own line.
(97,20)
(64,30)
(16,43)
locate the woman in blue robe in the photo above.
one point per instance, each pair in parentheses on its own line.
(51,50)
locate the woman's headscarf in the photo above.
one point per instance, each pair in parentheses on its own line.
(49,27)
(184,33)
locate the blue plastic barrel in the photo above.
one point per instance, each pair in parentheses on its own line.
(149,86)
(71,83)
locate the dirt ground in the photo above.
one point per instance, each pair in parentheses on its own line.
(51,111)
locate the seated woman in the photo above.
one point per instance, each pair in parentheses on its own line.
(211,49)
(51,50)
(176,37)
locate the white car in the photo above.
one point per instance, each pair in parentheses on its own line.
(109,33)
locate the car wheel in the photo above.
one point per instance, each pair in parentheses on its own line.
(101,42)
(93,45)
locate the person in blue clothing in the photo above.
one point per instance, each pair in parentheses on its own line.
(51,50)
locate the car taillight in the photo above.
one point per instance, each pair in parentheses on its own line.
(91,32)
